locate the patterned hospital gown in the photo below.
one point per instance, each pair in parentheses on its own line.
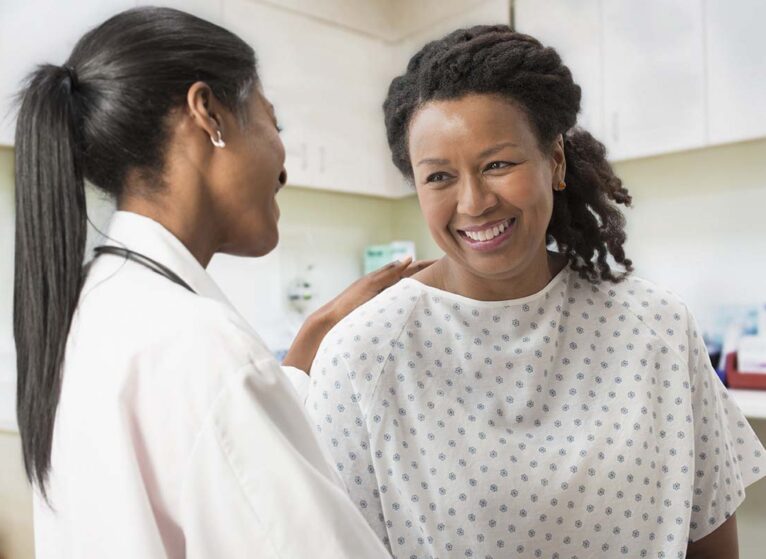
(582,421)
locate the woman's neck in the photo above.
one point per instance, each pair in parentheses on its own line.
(450,276)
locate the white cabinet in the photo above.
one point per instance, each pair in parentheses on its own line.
(327,90)
(736,70)
(641,66)
(660,76)
(573,28)
(653,76)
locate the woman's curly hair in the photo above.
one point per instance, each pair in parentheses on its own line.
(586,224)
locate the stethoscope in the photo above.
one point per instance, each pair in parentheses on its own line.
(143,260)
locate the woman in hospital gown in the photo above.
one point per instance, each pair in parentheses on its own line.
(526,396)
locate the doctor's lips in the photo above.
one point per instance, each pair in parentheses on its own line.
(488,235)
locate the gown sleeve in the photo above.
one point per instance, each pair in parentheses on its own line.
(334,404)
(727,453)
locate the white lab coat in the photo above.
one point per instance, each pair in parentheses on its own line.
(177,433)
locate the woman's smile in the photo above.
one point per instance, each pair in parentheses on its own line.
(488,237)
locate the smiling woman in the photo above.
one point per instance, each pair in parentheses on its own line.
(526,396)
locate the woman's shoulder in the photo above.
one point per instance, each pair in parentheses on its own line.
(643,306)
(637,295)
(392,307)
(376,325)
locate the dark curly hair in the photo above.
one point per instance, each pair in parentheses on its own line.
(586,224)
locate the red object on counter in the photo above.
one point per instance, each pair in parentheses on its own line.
(741,379)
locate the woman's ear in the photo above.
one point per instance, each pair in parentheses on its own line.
(206,112)
(559,160)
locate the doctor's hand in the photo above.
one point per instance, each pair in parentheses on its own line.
(301,353)
(368,287)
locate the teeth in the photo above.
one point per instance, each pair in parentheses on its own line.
(487,234)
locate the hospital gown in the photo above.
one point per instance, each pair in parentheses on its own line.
(582,421)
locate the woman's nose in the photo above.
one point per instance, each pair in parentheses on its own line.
(475,197)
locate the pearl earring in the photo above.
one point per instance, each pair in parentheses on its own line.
(219,143)
(561,186)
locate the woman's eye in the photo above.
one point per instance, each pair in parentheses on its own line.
(497,165)
(437,177)
(279,129)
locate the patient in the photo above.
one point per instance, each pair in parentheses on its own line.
(526,395)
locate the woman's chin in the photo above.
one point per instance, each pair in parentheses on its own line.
(489,265)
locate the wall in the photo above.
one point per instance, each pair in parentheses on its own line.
(15,501)
(698,223)
(6,245)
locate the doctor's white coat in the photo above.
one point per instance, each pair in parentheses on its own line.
(177,433)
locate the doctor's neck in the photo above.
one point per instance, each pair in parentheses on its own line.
(181,205)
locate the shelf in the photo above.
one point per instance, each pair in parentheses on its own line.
(752,402)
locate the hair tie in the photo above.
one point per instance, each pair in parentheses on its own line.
(72,75)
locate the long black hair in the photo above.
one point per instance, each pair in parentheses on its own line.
(587,225)
(97,118)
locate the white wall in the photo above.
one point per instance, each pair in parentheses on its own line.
(698,225)
(6,247)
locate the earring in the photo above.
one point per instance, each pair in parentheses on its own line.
(219,143)
(561,186)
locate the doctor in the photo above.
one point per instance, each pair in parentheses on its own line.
(154,422)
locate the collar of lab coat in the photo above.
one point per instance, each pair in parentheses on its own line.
(148,237)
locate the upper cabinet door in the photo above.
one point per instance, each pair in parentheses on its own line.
(327,91)
(736,54)
(653,76)
(573,28)
(37,32)
(284,70)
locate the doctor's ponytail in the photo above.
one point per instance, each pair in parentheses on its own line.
(50,241)
(100,117)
